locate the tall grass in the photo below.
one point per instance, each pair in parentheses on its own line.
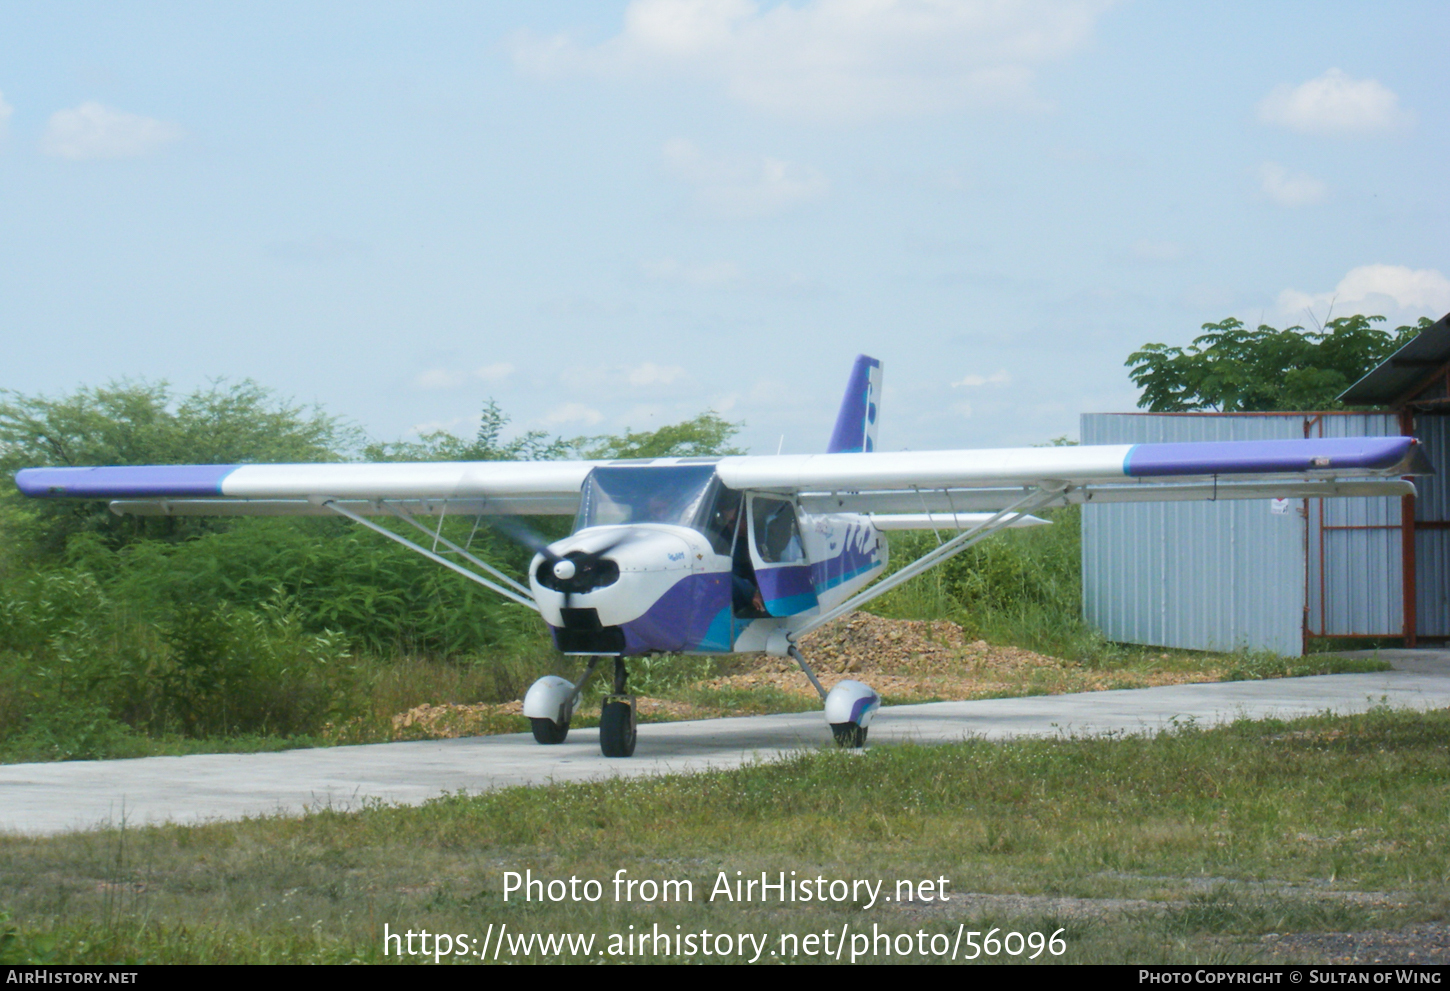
(266,632)
(1022,587)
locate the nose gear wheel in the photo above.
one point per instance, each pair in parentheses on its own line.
(617,728)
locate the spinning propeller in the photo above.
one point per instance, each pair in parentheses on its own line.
(571,573)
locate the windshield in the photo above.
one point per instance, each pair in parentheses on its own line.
(644,494)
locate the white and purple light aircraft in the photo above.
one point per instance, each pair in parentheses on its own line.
(714,555)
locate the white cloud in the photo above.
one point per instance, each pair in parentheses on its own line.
(651,374)
(95,131)
(448,378)
(1394,291)
(5,111)
(573,413)
(1000,377)
(1148,250)
(743,186)
(1290,188)
(836,60)
(1335,104)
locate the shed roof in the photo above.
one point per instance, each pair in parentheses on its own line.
(1395,378)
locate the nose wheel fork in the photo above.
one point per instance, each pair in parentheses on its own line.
(617,723)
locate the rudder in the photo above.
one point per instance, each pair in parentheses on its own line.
(856,422)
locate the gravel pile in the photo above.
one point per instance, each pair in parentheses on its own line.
(862,643)
(903,659)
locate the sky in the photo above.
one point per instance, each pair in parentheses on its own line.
(611,216)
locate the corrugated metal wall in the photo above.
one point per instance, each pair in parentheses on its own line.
(1196,575)
(1356,582)
(1432,543)
(1229,575)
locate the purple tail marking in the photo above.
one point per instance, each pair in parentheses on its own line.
(856,422)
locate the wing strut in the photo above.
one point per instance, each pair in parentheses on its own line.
(507,593)
(438,538)
(1034,499)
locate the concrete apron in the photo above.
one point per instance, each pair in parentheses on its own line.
(77,795)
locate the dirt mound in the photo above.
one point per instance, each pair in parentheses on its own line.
(863,642)
(903,659)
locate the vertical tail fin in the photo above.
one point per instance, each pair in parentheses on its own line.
(856,423)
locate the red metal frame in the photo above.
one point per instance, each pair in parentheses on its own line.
(1406,526)
(1407,543)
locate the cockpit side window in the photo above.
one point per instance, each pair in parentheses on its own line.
(722,518)
(777,535)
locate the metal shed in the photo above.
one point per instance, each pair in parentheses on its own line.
(1271,575)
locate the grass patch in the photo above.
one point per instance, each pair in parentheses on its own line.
(1207,838)
(1230,911)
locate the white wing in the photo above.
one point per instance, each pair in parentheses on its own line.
(489,487)
(904,482)
(985,480)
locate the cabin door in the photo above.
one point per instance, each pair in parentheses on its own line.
(779,557)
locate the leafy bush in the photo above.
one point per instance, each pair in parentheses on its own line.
(78,664)
(73,729)
(230,671)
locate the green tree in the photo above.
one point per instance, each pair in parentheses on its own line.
(487,445)
(1230,368)
(138,423)
(706,434)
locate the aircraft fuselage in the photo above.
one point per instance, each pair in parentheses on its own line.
(647,587)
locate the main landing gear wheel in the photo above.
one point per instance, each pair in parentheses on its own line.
(549,704)
(849,735)
(616,729)
(547,731)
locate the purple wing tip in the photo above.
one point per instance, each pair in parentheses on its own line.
(1338,454)
(146,481)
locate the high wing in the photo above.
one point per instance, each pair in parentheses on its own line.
(535,488)
(903,482)
(1004,485)
(989,480)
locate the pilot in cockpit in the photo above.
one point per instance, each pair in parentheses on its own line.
(729,535)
